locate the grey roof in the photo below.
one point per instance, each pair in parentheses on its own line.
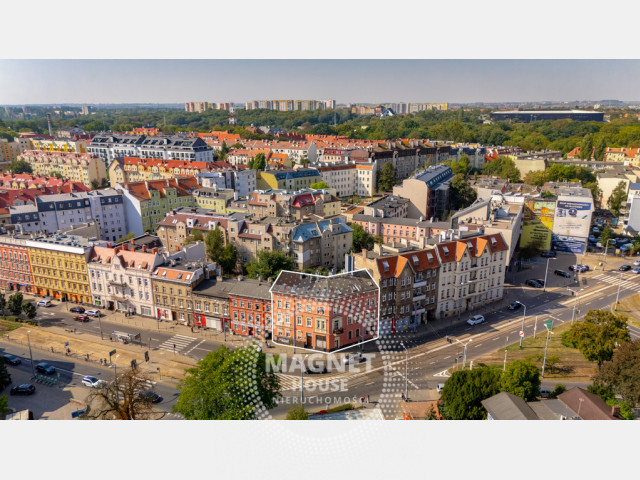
(335,286)
(409,222)
(306,231)
(506,406)
(434,175)
(551,409)
(474,206)
(252,288)
(300,173)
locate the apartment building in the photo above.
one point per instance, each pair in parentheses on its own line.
(174,229)
(288,179)
(282,203)
(15,271)
(212,306)
(147,203)
(59,266)
(19,181)
(67,145)
(387,206)
(250,308)
(214,199)
(290,105)
(427,191)
(253,236)
(133,169)
(471,273)
(323,243)
(400,230)
(77,167)
(324,313)
(350,179)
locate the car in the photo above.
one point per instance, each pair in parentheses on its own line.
(43,303)
(440,387)
(545,392)
(24,389)
(636,263)
(11,359)
(353,358)
(592,239)
(153,397)
(81,318)
(636,270)
(596,230)
(92,382)
(548,254)
(77,310)
(514,306)
(579,268)
(541,282)
(476,319)
(45,368)
(562,273)
(93,313)
(534,283)
(624,268)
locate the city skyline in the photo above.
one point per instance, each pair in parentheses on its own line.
(346,81)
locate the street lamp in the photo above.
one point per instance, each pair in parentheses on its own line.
(302,380)
(575,302)
(464,353)
(524,315)
(115,369)
(615,308)
(544,289)
(546,345)
(406,372)
(605,254)
(30,355)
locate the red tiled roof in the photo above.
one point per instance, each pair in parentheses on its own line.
(184,186)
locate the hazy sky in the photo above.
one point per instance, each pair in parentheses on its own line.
(177,81)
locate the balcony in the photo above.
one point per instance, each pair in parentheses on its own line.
(419,298)
(419,283)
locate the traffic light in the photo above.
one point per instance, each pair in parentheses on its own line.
(146,356)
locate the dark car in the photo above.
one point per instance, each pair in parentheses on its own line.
(624,268)
(562,273)
(541,282)
(153,397)
(11,359)
(579,268)
(45,368)
(548,254)
(77,310)
(514,306)
(81,318)
(24,389)
(534,283)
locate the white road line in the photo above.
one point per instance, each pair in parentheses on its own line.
(447,357)
(478,345)
(198,344)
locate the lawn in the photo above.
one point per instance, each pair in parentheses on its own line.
(630,306)
(8,324)
(571,365)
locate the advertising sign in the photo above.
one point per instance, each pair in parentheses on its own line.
(569,244)
(537,223)
(572,218)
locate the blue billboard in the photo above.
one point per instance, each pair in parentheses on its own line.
(568,244)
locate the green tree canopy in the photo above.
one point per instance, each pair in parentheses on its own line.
(4,406)
(586,147)
(15,304)
(618,196)
(521,378)
(195,236)
(462,195)
(214,244)
(29,310)
(387,177)
(20,166)
(228,385)
(462,166)
(558,173)
(601,148)
(228,259)
(598,335)
(622,372)
(297,412)
(605,235)
(259,162)
(464,391)
(5,376)
(361,239)
(596,192)
(319,185)
(503,167)
(269,264)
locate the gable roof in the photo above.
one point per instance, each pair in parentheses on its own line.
(587,405)
(506,406)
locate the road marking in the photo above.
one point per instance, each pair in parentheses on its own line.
(444,373)
(447,357)
(197,345)
(370,383)
(432,363)
(478,345)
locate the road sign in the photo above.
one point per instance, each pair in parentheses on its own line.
(521,333)
(77,413)
(66,344)
(112,352)
(548,324)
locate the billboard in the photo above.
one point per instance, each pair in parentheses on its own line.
(572,219)
(537,223)
(569,244)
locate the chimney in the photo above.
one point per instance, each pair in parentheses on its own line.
(154,250)
(219,278)
(615,410)
(125,247)
(132,243)
(144,248)
(177,248)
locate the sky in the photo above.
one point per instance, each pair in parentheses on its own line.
(346,81)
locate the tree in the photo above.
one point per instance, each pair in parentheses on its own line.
(462,166)
(5,376)
(521,378)
(196,236)
(503,167)
(601,148)
(618,196)
(387,178)
(214,244)
(120,399)
(259,162)
(586,147)
(228,385)
(15,304)
(622,373)
(605,235)
(29,310)
(3,303)
(128,236)
(229,258)
(464,391)
(462,195)
(4,406)
(596,192)
(104,182)
(297,412)
(94,184)
(269,264)
(20,166)
(319,186)
(360,239)
(531,250)
(598,335)
(55,173)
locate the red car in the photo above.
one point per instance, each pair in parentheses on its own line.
(81,318)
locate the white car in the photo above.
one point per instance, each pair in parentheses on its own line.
(440,387)
(475,320)
(637,263)
(92,382)
(596,230)
(636,270)
(43,303)
(92,313)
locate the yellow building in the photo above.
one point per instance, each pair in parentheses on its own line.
(288,179)
(134,169)
(78,146)
(214,199)
(59,266)
(77,167)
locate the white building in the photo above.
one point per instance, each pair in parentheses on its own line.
(350,179)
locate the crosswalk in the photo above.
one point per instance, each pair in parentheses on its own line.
(177,342)
(288,382)
(627,282)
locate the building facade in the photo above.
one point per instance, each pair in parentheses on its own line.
(77,167)
(15,274)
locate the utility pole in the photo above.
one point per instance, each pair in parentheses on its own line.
(546,345)
(615,308)
(30,355)
(544,287)
(464,353)
(524,315)
(406,372)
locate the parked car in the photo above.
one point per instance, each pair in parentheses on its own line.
(596,230)
(440,387)
(11,359)
(81,318)
(545,392)
(152,396)
(514,306)
(92,382)
(93,313)
(637,263)
(562,273)
(592,239)
(43,303)
(77,310)
(24,389)
(624,268)
(548,254)
(579,268)
(636,270)
(541,282)
(45,368)
(353,358)
(534,283)
(476,319)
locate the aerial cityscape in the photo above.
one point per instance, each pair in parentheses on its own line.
(270,257)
